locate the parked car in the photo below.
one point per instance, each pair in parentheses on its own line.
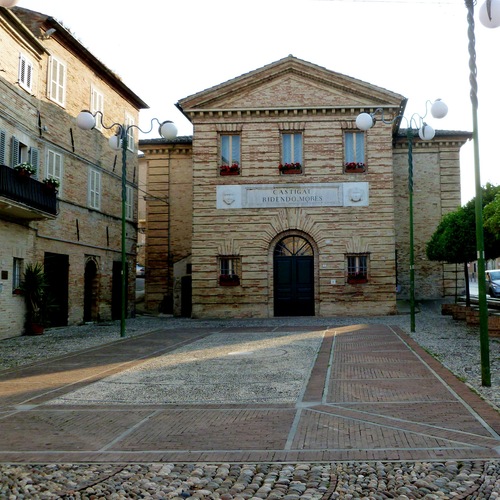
(140,271)
(493,283)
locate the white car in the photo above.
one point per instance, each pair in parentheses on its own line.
(493,283)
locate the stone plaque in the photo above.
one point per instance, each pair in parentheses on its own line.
(292,195)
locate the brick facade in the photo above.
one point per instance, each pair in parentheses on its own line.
(290,96)
(80,240)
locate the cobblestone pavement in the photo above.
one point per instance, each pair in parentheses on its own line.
(247,411)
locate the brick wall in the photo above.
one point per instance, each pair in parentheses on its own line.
(78,232)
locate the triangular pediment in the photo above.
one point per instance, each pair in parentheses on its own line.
(291,83)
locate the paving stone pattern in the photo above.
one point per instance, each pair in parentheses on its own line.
(363,395)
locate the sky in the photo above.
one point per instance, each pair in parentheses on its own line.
(165,50)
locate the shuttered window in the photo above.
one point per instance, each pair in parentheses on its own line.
(57,81)
(3,146)
(25,73)
(94,189)
(55,167)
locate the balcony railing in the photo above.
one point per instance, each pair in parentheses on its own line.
(30,199)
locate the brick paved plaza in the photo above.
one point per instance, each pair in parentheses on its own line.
(308,393)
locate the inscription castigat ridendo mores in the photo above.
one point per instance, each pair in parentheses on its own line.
(296,195)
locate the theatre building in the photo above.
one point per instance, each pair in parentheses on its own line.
(281,206)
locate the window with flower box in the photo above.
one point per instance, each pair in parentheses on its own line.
(229,274)
(54,169)
(291,153)
(357,268)
(354,152)
(229,161)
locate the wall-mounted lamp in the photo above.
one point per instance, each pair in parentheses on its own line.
(47,34)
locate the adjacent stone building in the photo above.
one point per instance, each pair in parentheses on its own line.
(284,207)
(47,78)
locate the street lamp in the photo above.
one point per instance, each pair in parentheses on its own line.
(489,15)
(365,121)
(87,121)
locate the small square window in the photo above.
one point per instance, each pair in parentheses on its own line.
(357,268)
(229,274)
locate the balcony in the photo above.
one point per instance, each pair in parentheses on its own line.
(24,198)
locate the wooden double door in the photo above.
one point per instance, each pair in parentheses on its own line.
(293,277)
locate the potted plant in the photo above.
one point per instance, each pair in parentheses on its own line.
(355,167)
(34,288)
(290,168)
(25,169)
(51,184)
(233,169)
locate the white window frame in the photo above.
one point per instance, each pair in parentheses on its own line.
(25,77)
(292,147)
(54,168)
(129,203)
(129,125)
(97,105)
(57,81)
(354,150)
(94,192)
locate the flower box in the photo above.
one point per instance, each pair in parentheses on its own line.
(354,168)
(354,280)
(229,280)
(233,169)
(290,168)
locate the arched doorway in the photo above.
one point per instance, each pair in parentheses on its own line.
(90,292)
(293,277)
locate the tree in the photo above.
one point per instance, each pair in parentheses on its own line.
(454,240)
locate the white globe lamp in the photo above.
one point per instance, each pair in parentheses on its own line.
(115,142)
(8,3)
(490,19)
(364,121)
(85,120)
(426,132)
(168,130)
(439,109)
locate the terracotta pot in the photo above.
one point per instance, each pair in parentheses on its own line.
(35,329)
